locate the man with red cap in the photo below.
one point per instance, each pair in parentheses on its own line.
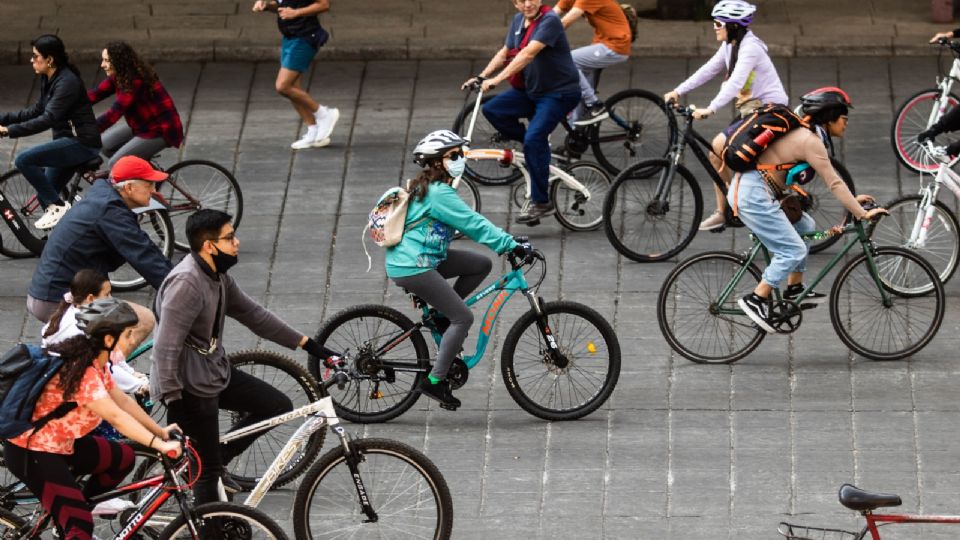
(102,232)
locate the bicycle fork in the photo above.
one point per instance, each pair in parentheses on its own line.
(536,304)
(354,459)
(921,226)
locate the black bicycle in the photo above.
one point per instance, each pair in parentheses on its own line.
(652,215)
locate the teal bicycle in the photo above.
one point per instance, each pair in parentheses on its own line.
(560,360)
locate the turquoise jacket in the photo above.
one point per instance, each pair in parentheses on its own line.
(433,220)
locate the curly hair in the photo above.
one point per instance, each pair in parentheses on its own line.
(78,354)
(129,67)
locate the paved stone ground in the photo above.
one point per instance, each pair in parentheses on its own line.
(681,450)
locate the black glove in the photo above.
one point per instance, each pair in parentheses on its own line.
(522,251)
(953,150)
(318,351)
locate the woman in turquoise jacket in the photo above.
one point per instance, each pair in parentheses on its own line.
(422,263)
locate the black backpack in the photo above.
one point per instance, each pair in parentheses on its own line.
(756,133)
(24,371)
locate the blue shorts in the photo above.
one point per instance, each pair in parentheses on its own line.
(296,54)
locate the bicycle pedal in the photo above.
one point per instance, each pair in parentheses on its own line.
(448,407)
(804,307)
(533,223)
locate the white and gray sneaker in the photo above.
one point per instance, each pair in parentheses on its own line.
(308,140)
(758,309)
(326,120)
(52,216)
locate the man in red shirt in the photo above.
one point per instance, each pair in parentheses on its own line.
(610,46)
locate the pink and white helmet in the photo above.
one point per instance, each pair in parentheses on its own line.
(734,11)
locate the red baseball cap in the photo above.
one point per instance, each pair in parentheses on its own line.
(135,168)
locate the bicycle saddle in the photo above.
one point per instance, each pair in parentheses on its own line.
(860,500)
(90,166)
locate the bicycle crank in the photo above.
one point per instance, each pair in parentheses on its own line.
(785,316)
(458,373)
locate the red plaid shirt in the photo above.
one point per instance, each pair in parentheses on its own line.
(149,116)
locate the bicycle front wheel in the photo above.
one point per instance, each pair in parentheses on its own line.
(692,319)
(383,383)
(486,172)
(574,210)
(197,183)
(941,247)
(23,198)
(157,225)
(824,208)
(566,378)
(897,328)
(405,489)
(914,117)
(645,227)
(295,382)
(640,127)
(225,520)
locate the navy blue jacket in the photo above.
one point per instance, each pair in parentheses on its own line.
(100,232)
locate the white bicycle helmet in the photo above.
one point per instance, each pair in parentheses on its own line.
(734,11)
(435,144)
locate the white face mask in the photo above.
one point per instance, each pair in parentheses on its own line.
(455,167)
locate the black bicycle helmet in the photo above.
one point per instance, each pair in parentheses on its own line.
(824,98)
(105,317)
(435,144)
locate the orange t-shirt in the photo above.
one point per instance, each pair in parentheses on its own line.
(610,25)
(58,435)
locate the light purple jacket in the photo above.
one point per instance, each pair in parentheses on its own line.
(752,58)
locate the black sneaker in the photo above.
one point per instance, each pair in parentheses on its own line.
(758,309)
(594,113)
(439,392)
(230,485)
(536,211)
(813,298)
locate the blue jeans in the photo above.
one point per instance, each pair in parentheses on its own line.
(761,213)
(49,166)
(504,112)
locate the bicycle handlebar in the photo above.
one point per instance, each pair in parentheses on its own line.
(681,110)
(953,45)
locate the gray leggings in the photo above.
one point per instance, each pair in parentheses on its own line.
(470,269)
(118,141)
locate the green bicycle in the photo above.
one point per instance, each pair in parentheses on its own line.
(875,306)
(560,360)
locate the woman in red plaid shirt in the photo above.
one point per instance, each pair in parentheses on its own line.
(152,122)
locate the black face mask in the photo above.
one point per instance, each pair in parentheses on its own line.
(223,261)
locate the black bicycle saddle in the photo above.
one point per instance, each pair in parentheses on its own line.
(857,499)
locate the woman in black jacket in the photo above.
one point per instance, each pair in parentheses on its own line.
(63,107)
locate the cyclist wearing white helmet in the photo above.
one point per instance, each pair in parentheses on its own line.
(749,76)
(422,263)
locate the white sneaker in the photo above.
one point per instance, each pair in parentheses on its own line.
(326,120)
(52,216)
(307,140)
(320,143)
(112,507)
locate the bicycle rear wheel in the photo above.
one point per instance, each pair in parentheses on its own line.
(468,191)
(23,198)
(640,127)
(565,379)
(294,381)
(197,183)
(824,208)
(942,246)
(376,392)
(692,321)
(486,172)
(644,228)
(574,211)
(157,225)
(405,489)
(898,329)
(911,119)
(226,520)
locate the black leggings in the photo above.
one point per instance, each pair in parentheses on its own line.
(52,478)
(470,269)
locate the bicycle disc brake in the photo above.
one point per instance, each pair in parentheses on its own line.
(785,317)
(458,374)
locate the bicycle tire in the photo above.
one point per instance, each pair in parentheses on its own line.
(911,119)
(198,183)
(522,382)
(572,210)
(863,301)
(486,172)
(735,337)
(360,330)
(22,197)
(631,217)
(238,515)
(825,209)
(942,247)
(288,376)
(423,483)
(470,194)
(639,128)
(157,225)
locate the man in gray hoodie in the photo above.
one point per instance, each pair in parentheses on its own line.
(190,371)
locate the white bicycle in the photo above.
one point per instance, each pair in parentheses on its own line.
(923,223)
(577,191)
(922,110)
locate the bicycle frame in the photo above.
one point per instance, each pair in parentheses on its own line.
(945,84)
(697,143)
(875,520)
(516,158)
(928,194)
